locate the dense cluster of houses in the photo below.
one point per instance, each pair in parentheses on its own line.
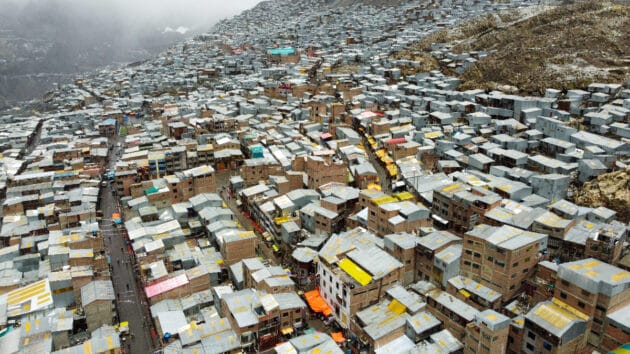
(272,200)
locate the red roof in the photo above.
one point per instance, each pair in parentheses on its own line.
(166,285)
(396,141)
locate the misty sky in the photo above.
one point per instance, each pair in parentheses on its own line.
(64,37)
(190,13)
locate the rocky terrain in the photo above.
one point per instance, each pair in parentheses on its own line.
(611,190)
(565,46)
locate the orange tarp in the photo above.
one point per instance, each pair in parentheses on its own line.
(338,337)
(317,303)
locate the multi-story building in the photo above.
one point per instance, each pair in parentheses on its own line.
(462,206)
(607,242)
(554,327)
(387,215)
(468,206)
(402,246)
(257,318)
(255,170)
(349,278)
(488,334)
(452,312)
(501,258)
(594,288)
(542,283)
(427,248)
(322,169)
(475,294)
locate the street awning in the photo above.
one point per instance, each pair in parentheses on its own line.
(338,337)
(317,303)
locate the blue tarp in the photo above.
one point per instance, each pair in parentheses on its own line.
(282,51)
(257,152)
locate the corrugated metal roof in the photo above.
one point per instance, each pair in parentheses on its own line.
(166,285)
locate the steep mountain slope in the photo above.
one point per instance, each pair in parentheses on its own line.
(535,48)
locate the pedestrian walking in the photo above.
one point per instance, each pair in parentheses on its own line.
(127,286)
(118,262)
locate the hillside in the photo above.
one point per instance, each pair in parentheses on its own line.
(611,190)
(343,3)
(535,48)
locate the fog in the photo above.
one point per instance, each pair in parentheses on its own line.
(52,38)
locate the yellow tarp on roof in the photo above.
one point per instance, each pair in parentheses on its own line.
(384,200)
(357,273)
(433,135)
(374,186)
(403,196)
(464,292)
(282,219)
(396,307)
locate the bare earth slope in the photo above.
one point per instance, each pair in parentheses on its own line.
(566,46)
(611,190)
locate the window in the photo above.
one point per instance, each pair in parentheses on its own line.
(286,314)
(581,304)
(531,335)
(585,293)
(563,295)
(529,346)
(600,308)
(547,346)
(565,283)
(515,264)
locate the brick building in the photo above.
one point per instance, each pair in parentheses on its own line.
(501,258)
